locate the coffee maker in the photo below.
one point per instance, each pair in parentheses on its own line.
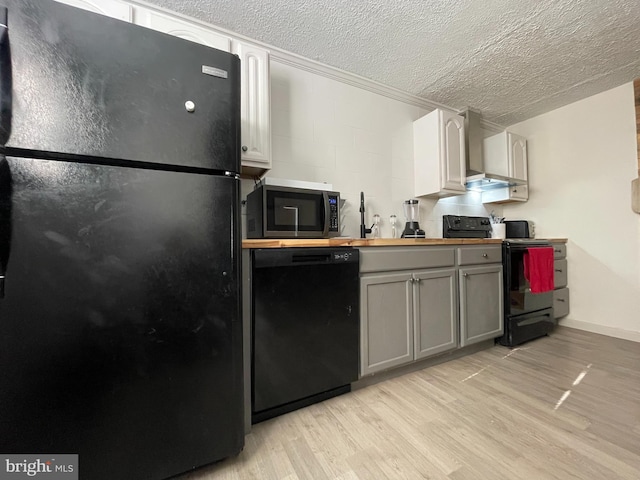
(412,214)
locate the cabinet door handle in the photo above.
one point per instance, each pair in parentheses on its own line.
(559,270)
(244,148)
(557,251)
(466,274)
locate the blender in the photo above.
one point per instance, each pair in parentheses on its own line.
(412,213)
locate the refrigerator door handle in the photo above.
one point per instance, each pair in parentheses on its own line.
(5,77)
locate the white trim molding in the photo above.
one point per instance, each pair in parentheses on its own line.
(601,329)
(288,58)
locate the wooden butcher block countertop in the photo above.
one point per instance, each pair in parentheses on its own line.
(373,242)
(357,242)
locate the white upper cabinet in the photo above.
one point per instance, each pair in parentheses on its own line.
(179,27)
(255,107)
(506,154)
(517,156)
(110,8)
(439,154)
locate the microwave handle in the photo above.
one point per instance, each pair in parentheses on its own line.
(295,218)
(327,217)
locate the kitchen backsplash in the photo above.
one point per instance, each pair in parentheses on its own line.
(327,131)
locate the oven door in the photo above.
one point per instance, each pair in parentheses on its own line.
(296,213)
(518,296)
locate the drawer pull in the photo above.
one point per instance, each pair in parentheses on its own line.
(557,251)
(560,300)
(558,270)
(484,255)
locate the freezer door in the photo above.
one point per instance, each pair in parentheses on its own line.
(120,333)
(88,85)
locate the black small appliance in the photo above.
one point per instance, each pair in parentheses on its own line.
(412,213)
(519,229)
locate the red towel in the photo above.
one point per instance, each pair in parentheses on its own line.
(538,268)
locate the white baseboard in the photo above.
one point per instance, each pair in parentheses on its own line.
(601,329)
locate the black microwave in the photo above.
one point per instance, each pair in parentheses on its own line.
(287,212)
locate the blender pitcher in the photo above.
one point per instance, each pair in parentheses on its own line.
(412,214)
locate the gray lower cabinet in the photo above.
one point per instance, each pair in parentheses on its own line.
(408,305)
(416,302)
(561,302)
(435,306)
(386,327)
(481,303)
(406,316)
(560,280)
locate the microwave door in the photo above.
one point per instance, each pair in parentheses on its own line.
(294,214)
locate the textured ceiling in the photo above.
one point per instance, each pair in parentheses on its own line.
(510,59)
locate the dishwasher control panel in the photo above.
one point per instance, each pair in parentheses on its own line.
(345,256)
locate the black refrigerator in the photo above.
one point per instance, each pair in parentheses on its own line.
(120,326)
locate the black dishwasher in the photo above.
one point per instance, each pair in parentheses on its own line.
(305,327)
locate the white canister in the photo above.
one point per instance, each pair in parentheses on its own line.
(498,230)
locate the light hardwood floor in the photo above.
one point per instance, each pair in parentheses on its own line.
(497,414)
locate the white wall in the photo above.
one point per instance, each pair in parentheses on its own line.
(582,159)
(324,130)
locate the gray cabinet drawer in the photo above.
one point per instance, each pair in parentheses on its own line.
(560,273)
(561,302)
(559,250)
(386,259)
(480,254)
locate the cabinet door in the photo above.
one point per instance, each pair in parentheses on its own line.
(110,8)
(481,307)
(435,312)
(181,28)
(519,193)
(386,323)
(453,152)
(255,106)
(561,302)
(560,273)
(517,156)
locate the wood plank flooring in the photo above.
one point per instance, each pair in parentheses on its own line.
(563,407)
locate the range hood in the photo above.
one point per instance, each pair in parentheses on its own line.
(477,179)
